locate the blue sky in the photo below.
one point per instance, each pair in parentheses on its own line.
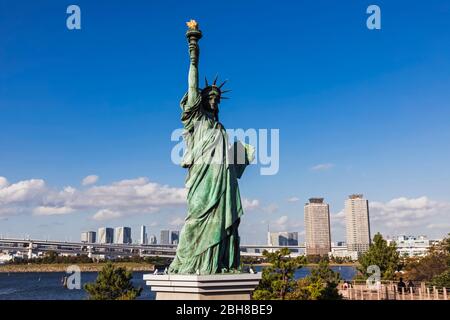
(370,106)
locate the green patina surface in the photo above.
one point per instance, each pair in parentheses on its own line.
(209,240)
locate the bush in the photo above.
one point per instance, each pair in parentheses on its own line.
(113,283)
(442,280)
(278,279)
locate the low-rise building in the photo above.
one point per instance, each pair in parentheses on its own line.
(412,246)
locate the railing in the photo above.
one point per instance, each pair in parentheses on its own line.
(388,290)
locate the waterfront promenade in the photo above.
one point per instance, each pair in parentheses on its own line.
(388,290)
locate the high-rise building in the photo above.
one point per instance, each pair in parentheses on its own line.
(170,237)
(174,237)
(122,235)
(165,237)
(283,238)
(144,239)
(88,237)
(153,239)
(105,235)
(357,223)
(317,227)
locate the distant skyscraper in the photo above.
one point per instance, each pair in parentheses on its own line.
(88,237)
(283,238)
(122,235)
(105,235)
(174,237)
(143,235)
(153,240)
(165,237)
(357,223)
(169,237)
(317,227)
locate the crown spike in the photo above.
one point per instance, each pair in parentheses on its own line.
(225,91)
(206,82)
(215,79)
(223,83)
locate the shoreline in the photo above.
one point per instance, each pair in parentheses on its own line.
(85,267)
(308,265)
(96,267)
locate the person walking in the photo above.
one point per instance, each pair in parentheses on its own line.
(411,286)
(401,285)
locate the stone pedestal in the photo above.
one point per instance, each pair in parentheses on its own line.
(203,287)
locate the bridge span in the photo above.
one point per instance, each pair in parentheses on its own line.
(33,246)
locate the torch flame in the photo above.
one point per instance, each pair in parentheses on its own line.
(192,25)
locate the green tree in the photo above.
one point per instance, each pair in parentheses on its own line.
(50,257)
(382,255)
(329,279)
(278,279)
(442,280)
(426,268)
(322,284)
(113,283)
(434,267)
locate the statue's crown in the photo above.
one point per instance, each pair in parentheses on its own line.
(215,88)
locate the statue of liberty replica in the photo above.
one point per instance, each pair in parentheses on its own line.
(209,240)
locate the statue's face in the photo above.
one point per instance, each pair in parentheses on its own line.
(213,102)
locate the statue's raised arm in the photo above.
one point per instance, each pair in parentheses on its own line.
(193,34)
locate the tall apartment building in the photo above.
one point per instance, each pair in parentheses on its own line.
(105,235)
(174,237)
(165,236)
(122,235)
(144,239)
(357,223)
(153,239)
(88,237)
(317,227)
(169,237)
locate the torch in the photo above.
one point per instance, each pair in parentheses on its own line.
(193,34)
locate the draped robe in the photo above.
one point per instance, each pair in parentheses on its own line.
(209,240)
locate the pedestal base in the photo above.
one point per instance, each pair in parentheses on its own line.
(203,287)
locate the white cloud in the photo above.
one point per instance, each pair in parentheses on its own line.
(322,167)
(271,208)
(281,221)
(403,212)
(89,180)
(3,182)
(125,197)
(250,205)
(444,226)
(106,214)
(22,191)
(338,219)
(177,222)
(9,211)
(402,216)
(284,223)
(293,199)
(48,211)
